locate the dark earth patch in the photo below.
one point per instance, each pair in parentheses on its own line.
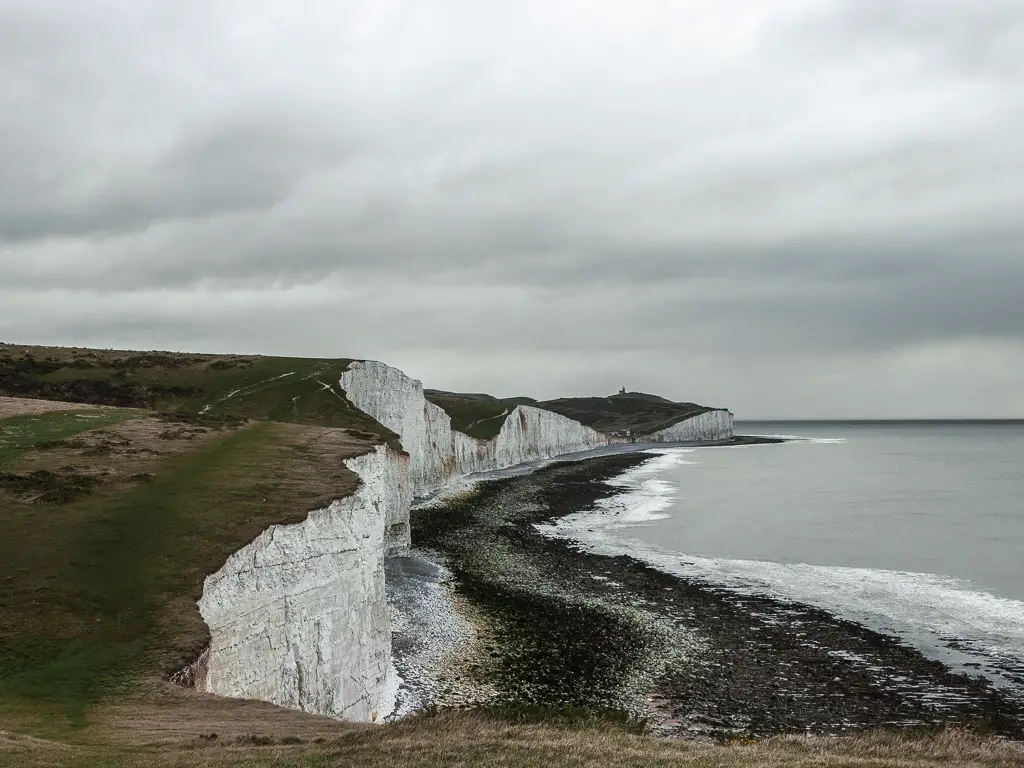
(45,487)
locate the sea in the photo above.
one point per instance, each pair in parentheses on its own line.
(913,529)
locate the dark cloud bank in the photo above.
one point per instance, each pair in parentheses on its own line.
(792,208)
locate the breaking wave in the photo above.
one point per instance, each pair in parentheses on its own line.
(644,494)
(804,439)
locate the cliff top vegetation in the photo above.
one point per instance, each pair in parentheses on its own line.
(637,413)
(111,520)
(125,479)
(290,389)
(218,737)
(477,415)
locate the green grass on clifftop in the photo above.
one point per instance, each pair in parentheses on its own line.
(125,479)
(639,413)
(21,432)
(482,416)
(297,390)
(99,586)
(476,415)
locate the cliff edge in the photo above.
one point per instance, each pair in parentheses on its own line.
(212,463)
(299,618)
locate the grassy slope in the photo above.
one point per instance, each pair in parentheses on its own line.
(97,594)
(297,390)
(21,432)
(479,416)
(634,411)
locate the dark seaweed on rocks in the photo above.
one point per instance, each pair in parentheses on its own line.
(579,630)
(556,648)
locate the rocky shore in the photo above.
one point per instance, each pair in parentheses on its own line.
(538,623)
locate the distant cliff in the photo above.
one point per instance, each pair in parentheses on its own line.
(437,452)
(706,427)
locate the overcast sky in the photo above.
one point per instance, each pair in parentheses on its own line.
(793,208)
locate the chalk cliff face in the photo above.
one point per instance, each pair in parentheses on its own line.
(299,616)
(437,453)
(709,426)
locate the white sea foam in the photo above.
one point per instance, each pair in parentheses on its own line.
(804,439)
(643,499)
(947,618)
(645,495)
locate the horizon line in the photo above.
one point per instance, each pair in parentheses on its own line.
(879,420)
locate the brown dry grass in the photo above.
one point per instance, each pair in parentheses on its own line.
(118,452)
(319,475)
(67,355)
(472,740)
(171,716)
(23,406)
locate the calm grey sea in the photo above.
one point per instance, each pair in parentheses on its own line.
(916,529)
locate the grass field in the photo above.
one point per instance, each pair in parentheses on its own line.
(296,390)
(20,432)
(99,592)
(468,740)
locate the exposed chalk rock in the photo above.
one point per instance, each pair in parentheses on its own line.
(437,453)
(299,617)
(707,427)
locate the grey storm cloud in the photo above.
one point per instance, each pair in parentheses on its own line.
(794,208)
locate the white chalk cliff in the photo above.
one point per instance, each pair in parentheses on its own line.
(437,453)
(299,617)
(709,426)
